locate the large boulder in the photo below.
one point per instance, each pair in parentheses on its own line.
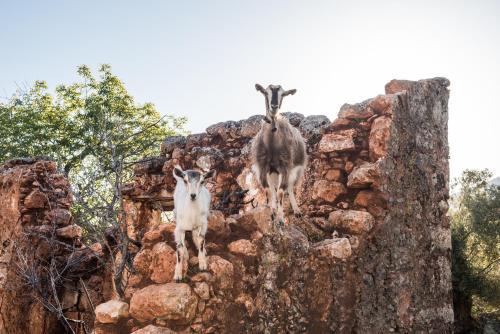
(171,301)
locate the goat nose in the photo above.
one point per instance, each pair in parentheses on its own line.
(193,196)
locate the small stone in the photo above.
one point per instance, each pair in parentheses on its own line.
(379,135)
(355,111)
(202,290)
(313,125)
(163,262)
(222,270)
(69,232)
(327,191)
(338,248)
(111,312)
(333,175)
(243,247)
(353,221)
(363,176)
(340,141)
(217,225)
(142,261)
(152,329)
(35,200)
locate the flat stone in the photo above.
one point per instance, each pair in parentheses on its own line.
(69,232)
(338,248)
(170,301)
(340,141)
(243,247)
(355,111)
(353,221)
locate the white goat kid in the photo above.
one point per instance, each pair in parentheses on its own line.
(191,208)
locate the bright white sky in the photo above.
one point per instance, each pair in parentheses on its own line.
(201,58)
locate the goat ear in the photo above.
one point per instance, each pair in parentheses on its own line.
(209,174)
(289,92)
(178,173)
(260,88)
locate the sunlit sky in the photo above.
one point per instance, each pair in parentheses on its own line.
(201,59)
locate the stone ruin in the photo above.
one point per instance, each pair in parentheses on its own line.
(371,255)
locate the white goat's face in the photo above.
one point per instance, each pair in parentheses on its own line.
(274,95)
(193,180)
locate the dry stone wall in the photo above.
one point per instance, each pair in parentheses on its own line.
(371,254)
(37,235)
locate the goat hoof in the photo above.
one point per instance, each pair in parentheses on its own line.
(273,216)
(298,214)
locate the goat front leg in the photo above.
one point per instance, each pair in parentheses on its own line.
(179,254)
(199,241)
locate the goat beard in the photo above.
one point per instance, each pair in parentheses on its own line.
(271,121)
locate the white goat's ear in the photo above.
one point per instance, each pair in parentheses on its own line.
(260,88)
(209,174)
(289,92)
(178,173)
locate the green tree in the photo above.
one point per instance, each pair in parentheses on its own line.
(94,130)
(475,227)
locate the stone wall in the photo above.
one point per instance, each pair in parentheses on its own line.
(371,254)
(37,234)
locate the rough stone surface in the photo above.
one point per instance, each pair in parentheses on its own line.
(373,259)
(242,247)
(111,312)
(174,302)
(339,248)
(337,142)
(355,222)
(363,176)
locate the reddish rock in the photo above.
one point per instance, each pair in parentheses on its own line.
(327,191)
(340,141)
(256,219)
(352,221)
(340,123)
(379,135)
(243,247)
(69,232)
(142,261)
(222,270)
(217,225)
(111,312)
(171,301)
(355,111)
(61,217)
(373,201)
(363,176)
(338,248)
(35,200)
(162,263)
(151,329)
(202,290)
(333,175)
(382,104)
